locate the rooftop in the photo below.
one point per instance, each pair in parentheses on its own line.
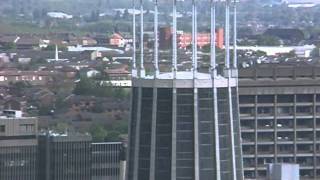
(183,75)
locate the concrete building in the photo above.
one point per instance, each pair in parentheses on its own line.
(18,146)
(280,117)
(185,124)
(64,157)
(300,51)
(106,161)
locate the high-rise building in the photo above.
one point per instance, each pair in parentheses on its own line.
(18,146)
(106,160)
(185,124)
(280,117)
(64,157)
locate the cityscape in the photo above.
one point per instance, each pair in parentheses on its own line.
(159,90)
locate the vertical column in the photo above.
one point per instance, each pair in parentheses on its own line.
(213,37)
(196,136)
(174,39)
(174,134)
(314,135)
(235,58)
(142,70)
(230,103)
(134,63)
(194,39)
(215,95)
(153,134)
(156,40)
(275,134)
(137,136)
(130,130)
(255,135)
(295,128)
(227,34)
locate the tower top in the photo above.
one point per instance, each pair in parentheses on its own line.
(139,71)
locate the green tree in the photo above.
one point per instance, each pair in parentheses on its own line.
(9,46)
(85,86)
(113,136)
(98,133)
(52,47)
(266,40)
(61,127)
(45,110)
(18,87)
(259,53)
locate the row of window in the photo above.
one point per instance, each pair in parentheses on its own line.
(299,98)
(265,124)
(279,111)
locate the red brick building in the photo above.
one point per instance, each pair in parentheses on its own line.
(185,39)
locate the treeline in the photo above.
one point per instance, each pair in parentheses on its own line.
(90,87)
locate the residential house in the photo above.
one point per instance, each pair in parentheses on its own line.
(68,72)
(8,39)
(23,41)
(120,40)
(33,77)
(30,42)
(120,72)
(87,41)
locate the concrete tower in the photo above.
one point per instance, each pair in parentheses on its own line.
(185,124)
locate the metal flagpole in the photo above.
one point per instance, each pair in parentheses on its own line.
(174,39)
(134,65)
(142,70)
(156,40)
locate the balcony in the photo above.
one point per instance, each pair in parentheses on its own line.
(285,149)
(247,112)
(305,136)
(284,139)
(305,150)
(284,125)
(248,140)
(247,126)
(247,163)
(304,110)
(285,111)
(282,152)
(265,140)
(265,111)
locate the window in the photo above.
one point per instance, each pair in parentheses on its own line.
(246,99)
(304,110)
(285,110)
(266,99)
(285,99)
(265,110)
(246,111)
(2,128)
(305,98)
(27,128)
